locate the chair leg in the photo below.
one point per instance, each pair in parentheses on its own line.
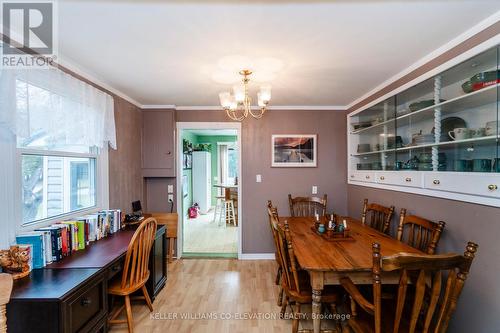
(280,296)
(130,321)
(296,319)
(283,306)
(170,249)
(146,297)
(215,211)
(278,275)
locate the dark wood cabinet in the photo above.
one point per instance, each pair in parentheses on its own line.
(157,264)
(67,301)
(158,143)
(71,295)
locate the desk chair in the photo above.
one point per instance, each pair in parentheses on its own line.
(135,272)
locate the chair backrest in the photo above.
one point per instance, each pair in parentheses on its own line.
(431,308)
(377,216)
(307,206)
(273,223)
(290,268)
(418,232)
(135,270)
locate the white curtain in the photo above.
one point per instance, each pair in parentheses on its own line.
(10,193)
(54,104)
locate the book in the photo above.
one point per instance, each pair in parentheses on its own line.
(80,232)
(56,241)
(36,240)
(47,245)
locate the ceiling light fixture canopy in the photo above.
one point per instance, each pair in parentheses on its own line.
(238,105)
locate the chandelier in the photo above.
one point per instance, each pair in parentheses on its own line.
(238,105)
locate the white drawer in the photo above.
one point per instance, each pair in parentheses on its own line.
(487,185)
(362,176)
(401,178)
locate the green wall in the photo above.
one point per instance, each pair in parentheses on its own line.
(215,156)
(188,201)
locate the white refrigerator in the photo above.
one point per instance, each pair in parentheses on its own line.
(202,182)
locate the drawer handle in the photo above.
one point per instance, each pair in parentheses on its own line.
(492,187)
(352,176)
(367,177)
(382,177)
(168,152)
(436,182)
(408,179)
(116,268)
(86,301)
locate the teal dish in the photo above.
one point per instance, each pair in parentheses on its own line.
(467,87)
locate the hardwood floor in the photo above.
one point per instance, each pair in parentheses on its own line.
(217,287)
(203,235)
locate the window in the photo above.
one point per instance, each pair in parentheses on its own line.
(232,163)
(58,169)
(56,185)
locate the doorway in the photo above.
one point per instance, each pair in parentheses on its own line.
(209,189)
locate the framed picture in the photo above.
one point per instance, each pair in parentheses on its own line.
(294,150)
(188,161)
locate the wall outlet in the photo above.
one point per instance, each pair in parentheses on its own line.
(314,189)
(258,178)
(170,198)
(170,189)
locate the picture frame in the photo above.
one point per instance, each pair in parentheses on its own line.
(294,150)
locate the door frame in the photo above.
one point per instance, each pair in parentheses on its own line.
(180,126)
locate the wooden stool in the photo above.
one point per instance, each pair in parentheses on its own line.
(229,212)
(135,272)
(219,206)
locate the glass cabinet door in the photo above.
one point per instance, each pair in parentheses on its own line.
(374,142)
(467,121)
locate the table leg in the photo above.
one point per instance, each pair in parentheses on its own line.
(317,283)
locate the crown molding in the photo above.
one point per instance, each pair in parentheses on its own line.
(489,21)
(158,106)
(270,108)
(70,65)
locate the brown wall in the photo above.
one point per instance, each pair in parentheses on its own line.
(125,178)
(479,305)
(329,176)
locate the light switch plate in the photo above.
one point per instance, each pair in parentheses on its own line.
(170,189)
(258,178)
(314,189)
(170,198)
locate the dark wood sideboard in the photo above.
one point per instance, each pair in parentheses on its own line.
(71,295)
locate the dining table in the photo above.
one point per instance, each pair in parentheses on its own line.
(327,260)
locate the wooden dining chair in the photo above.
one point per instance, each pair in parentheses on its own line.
(295,282)
(425,307)
(419,233)
(273,223)
(135,271)
(6,283)
(377,216)
(307,206)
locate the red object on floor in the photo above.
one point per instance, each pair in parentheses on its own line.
(193,212)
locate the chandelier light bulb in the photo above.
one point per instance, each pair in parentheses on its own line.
(225,99)
(239,93)
(265,93)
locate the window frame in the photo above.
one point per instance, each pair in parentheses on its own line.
(102,184)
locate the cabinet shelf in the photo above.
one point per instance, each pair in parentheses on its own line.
(484,139)
(454,105)
(466,114)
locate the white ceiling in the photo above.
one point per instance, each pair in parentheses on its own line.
(332,52)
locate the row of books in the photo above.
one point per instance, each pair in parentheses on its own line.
(53,243)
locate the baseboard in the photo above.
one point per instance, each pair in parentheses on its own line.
(257,256)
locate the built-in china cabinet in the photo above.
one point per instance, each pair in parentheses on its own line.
(438,137)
